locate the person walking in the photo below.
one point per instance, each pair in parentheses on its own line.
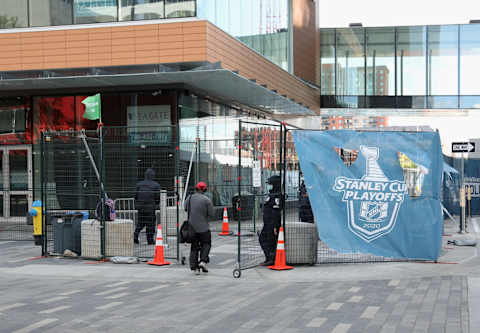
(200,209)
(147,198)
(271,221)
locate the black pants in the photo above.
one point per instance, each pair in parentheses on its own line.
(201,245)
(147,220)
(268,242)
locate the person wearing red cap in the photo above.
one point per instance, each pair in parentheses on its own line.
(200,209)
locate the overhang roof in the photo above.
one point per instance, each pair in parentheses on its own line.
(210,80)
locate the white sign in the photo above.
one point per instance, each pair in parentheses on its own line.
(463,147)
(149,124)
(256,174)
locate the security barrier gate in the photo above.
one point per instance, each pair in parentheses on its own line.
(80,169)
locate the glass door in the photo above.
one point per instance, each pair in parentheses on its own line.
(16,182)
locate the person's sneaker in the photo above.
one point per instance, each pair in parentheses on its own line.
(203,266)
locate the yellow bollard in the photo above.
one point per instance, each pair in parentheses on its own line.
(36,212)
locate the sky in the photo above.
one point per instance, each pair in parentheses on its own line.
(371,13)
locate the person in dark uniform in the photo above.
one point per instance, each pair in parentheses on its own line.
(305,208)
(271,221)
(147,198)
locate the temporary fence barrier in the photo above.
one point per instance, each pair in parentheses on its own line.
(80,169)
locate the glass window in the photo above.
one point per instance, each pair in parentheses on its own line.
(327,61)
(141,10)
(50,12)
(95,11)
(20,121)
(18,205)
(442,63)
(411,61)
(470,102)
(380,61)
(179,8)
(13,14)
(5,121)
(442,102)
(469,56)
(261,25)
(12,121)
(18,170)
(350,62)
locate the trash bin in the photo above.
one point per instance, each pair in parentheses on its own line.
(301,243)
(247,204)
(67,231)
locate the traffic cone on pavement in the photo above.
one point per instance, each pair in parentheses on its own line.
(280,260)
(225,231)
(158,258)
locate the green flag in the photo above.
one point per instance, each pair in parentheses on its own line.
(92,107)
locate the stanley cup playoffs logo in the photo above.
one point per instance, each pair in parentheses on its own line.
(373,201)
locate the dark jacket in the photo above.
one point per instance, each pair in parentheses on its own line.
(147,194)
(305,209)
(272,209)
(200,208)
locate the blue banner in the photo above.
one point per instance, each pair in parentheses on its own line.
(375,192)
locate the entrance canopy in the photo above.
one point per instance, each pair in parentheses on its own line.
(209,79)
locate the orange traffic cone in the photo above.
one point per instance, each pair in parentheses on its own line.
(280,261)
(225,231)
(158,258)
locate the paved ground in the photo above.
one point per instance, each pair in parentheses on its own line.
(68,295)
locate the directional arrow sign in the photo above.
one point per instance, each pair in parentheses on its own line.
(463,147)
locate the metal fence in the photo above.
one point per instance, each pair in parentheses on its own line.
(82,168)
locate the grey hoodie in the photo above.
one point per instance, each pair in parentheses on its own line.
(201,208)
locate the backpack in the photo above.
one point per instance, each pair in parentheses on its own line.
(109,209)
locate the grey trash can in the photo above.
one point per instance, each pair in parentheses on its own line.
(67,232)
(301,243)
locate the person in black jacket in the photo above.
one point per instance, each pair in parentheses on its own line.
(147,198)
(305,208)
(271,221)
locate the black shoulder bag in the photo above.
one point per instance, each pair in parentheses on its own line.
(186,234)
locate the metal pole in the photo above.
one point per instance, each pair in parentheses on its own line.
(282,192)
(102,196)
(43,195)
(239,172)
(284,186)
(462,197)
(177,179)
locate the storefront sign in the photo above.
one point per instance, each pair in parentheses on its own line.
(149,125)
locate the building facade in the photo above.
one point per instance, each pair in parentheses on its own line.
(199,65)
(413,67)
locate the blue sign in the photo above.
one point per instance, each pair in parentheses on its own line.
(375,192)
